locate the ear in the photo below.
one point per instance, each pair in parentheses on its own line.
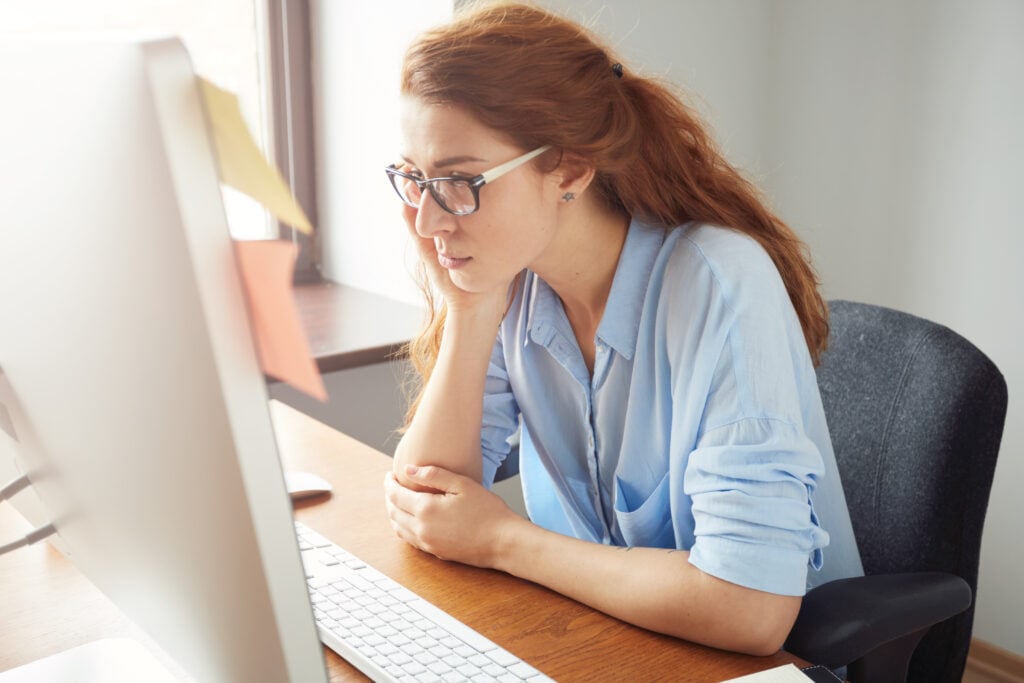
(574,175)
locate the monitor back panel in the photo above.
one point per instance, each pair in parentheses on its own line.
(129,378)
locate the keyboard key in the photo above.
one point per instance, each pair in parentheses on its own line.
(403,595)
(439,668)
(413,668)
(503,657)
(468,670)
(374,640)
(480,660)
(523,670)
(395,671)
(411,649)
(426,659)
(454,661)
(493,669)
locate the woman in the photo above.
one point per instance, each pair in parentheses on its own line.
(610,282)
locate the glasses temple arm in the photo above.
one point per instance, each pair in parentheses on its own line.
(498,171)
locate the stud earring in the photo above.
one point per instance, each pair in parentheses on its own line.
(568,196)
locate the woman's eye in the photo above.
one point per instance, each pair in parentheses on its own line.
(410,170)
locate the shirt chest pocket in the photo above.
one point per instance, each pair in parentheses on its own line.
(645,521)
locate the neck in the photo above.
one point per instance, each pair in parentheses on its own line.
(581,263)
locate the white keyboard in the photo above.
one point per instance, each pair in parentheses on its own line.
(390,633)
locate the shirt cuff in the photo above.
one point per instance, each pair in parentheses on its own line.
(782,571)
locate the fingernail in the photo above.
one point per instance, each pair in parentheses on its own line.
(411,469)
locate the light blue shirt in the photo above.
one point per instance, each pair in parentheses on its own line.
(701,427)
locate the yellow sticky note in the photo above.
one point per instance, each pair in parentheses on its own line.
(242,165)
(267,267)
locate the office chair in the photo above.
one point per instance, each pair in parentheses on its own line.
(916,416)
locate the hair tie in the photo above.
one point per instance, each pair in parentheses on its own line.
(617,70)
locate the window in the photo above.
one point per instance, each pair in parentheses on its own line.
(223,38)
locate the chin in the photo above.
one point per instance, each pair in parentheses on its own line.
(469,283)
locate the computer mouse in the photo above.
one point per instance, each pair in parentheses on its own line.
(305,484)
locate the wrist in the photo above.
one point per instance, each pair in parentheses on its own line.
(470,329)
(509,542)
(486,314)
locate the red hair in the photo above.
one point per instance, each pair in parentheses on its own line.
(539,79)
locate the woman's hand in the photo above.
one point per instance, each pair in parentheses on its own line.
(462,521)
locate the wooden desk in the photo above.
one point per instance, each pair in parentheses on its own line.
(46,606)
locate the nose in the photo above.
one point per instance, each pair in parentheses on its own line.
(431,219)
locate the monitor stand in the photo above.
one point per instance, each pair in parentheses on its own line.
(111,660)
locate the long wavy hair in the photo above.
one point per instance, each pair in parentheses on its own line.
(540,79)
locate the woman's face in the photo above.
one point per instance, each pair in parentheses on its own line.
(517,215)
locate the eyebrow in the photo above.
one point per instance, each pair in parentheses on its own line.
(447,161)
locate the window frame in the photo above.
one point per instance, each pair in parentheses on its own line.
(289,102)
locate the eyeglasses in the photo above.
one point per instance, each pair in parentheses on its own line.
(459,196)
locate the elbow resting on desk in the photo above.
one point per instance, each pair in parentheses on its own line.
(762,631)
(722,615)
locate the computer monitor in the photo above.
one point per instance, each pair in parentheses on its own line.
(129,384)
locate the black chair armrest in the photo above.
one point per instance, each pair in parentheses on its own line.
(842,621)
(510,467)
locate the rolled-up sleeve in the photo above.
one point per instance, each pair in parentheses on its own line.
(500,415)
(750,483)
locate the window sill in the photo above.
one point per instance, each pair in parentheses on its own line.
(350,328)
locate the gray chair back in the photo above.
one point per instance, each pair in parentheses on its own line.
(916,414)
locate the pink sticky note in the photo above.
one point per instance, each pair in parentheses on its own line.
(267,267)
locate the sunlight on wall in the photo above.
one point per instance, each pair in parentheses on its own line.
(357,55)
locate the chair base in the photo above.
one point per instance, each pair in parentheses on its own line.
(887,663)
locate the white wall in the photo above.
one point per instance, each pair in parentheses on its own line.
(897,150)
(672,40)
(889,135)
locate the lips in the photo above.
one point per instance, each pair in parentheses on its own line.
(451,262)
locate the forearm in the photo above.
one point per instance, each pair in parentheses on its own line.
(653,588)
(446,428)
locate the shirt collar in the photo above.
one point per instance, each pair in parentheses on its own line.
(620,323)
(542,313)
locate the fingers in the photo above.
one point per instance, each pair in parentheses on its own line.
(397,503)
(432,477)
(401,497)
